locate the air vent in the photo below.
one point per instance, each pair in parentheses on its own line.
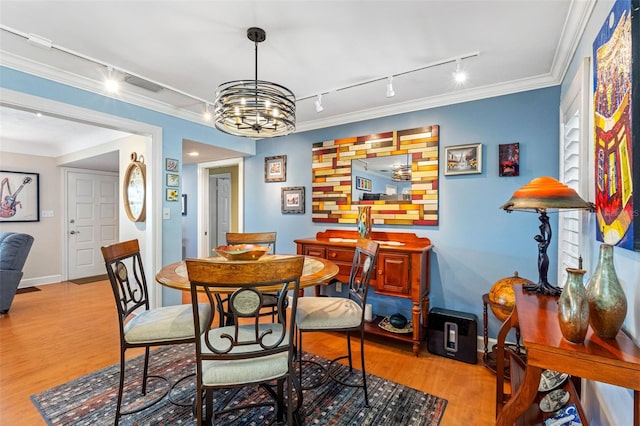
(141,82)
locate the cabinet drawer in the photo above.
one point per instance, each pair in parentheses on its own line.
(340,255)
(316,251)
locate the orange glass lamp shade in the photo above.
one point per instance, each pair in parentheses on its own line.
(542,194)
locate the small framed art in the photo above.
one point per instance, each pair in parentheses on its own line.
(173,179)
(20,197)
(275,169)
(171,165)
(463,159)
(172,194)
(293,199)
(363,184)
(509,159)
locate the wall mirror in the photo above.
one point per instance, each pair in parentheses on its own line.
(388,178)
(395,172)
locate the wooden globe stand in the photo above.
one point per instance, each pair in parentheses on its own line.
(489,357)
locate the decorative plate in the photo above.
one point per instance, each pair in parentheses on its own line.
(386,325)
(550,380)
(242,251)
(554,400)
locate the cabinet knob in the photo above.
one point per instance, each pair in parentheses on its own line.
(379,271)
(333,255)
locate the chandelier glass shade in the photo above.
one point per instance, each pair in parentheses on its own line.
(255,108)
(401,173)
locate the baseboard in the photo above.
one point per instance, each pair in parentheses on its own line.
(30,282)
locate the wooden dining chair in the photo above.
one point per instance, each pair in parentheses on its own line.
(139,324)
(251,351)
(267,239)
(344,314)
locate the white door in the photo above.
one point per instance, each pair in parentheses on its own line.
(92,220)
(219,209)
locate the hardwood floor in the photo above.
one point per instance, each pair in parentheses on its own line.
(68,330)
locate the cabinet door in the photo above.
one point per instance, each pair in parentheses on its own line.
(393,274)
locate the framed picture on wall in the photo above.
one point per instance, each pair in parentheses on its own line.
(172,194)
(275,169)
(463,159)
(293,199)
(19,196)
(363,184)
(509,159)
(171,165)
(173,179)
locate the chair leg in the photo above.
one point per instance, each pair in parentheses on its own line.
(300,356)
(280,401)
(145,371)
(120,387)
(364,373)
(349,351)
(209,402)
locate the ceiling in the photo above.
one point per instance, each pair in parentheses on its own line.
(312,47)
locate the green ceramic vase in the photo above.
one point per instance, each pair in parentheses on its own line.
(607,301)
(573,307)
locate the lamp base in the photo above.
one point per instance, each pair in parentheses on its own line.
(543,288)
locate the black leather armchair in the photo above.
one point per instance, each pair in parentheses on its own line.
(14,249)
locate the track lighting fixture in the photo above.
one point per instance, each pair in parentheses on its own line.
(459,75)
(390,92)
(111,85)
(318,104)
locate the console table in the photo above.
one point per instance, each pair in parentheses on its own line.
(615,361)
(402,270)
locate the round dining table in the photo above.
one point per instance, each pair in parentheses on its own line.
(315,271)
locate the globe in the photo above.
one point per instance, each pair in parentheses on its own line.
(502,297)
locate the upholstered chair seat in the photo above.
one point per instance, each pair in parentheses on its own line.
(163,324)
(321,313)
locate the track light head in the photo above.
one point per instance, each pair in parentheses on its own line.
(390,92)
(318,104)
(111,85)
(459,75)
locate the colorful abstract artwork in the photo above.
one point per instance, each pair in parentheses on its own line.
(333,201)
(616,200)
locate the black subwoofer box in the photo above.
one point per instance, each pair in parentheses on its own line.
(453,335)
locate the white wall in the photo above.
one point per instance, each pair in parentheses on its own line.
(44,263)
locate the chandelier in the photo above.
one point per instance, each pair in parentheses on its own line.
(255,108)
(402,172)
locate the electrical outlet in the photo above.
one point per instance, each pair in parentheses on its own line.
(339,287)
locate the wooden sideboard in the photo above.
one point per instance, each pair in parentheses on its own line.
(402,270)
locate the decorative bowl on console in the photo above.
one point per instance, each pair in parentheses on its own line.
(242,251)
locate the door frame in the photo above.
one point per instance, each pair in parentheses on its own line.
(152,256)
(203,199)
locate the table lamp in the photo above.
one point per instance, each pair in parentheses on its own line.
(540,195)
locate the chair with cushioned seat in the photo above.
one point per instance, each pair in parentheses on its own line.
(341,314)
(140,325)
(14,249)
(250,351)
(267,239)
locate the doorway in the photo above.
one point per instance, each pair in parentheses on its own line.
(219,209)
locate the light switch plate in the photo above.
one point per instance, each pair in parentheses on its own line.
(166,213)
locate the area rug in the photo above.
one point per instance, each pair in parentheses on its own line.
(88,280)
(90,400)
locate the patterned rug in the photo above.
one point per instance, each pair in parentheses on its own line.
(90,400)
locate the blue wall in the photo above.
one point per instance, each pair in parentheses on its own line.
(475,243)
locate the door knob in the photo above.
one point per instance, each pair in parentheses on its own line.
(74,232)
